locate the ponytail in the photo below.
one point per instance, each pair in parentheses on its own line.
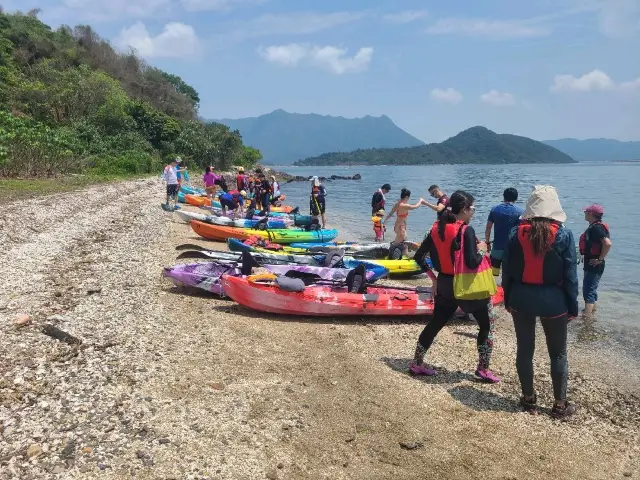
(404,193)
(540,235)
(458,201)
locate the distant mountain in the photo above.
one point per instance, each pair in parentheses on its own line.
(597,149)
(284,137)
(474,145)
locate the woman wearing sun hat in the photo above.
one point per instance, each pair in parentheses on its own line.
(540,279)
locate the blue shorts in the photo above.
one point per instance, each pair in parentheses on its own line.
(590,286)
(496,261)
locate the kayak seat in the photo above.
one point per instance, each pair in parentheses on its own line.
(307,277)
(371,297)
(333,258)
(356,280)
(395,251)
(289,284)
(248,262)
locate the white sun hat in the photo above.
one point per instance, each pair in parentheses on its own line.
(544,203)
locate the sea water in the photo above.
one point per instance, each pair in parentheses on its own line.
(616,186)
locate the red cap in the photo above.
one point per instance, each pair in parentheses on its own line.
(594,209)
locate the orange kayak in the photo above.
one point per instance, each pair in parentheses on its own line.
(221,232)
(197,200)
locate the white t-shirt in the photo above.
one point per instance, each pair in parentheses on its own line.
(170,175)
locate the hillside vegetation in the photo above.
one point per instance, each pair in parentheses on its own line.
(474,145)
(285,137)
(70,103)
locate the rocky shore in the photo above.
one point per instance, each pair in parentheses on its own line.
(155,382)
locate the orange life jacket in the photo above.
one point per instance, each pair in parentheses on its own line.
(587,247)
(377,223)
(535,269)
(443,247)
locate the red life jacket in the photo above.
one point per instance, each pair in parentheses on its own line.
(443,247)
(536,269)
(240,181)
(587,247)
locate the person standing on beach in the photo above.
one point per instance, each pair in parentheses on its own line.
(170,176)
(241,180)
(503,218)
(265,195)
(540,279)
(209,179)
(595,244)
(442,199)
(317,200)
(447,235)
(378,200)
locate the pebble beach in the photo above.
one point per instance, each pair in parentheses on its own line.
(157,382)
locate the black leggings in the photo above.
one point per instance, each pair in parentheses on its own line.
(444,310)
(555,331)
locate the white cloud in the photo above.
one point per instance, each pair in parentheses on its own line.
(498,99)
(329,58)
(447,95)
(406,16)
(176,40)
(492,29)
(619,18)
(594,80)
(632,86)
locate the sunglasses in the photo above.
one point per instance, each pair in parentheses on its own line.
(472,208)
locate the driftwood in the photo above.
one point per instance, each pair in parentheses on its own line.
(61,335)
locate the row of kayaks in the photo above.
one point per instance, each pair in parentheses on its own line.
(304,289)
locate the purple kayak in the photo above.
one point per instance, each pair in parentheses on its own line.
(206,276)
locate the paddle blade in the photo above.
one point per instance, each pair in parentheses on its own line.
(190,246)
(194,254)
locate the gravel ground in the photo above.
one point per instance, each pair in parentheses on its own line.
(173,384)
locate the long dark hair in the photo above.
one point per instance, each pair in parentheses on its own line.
(207,170)
(404,193)
(457,202)
(540,235)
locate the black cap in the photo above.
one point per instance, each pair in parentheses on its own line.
(386,186)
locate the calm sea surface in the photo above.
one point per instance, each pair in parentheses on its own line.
(615,186)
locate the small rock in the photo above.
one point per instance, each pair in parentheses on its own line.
(69,450)
(22,320)
(410,445)
(217,386)
(102,466)
(57,470)
(92,290)
(163,441)
(361,427)
(272,475)
(87,450)
(334,383)
(34,450)
(627,474)
(350,438)
(280,466)
(289,390)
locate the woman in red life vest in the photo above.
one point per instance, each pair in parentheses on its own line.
(441,242)
(595,244)
(540,279)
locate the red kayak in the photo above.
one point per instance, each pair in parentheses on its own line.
(320,300)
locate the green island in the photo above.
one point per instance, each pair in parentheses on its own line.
(476,145)
(70,104)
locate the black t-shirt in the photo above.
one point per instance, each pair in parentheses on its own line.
(377,202)
(596,233)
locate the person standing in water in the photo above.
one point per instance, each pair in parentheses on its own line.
(442,199)
(441,243)
(401,210)
(595,244)
(378,200)
(317,200)
(503,218)
(540,279)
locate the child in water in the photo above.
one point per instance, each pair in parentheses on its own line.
(378,226)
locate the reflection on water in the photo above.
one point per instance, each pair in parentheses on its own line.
(615,186)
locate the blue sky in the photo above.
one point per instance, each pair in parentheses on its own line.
(540,68)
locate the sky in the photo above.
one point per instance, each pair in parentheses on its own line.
(545,69)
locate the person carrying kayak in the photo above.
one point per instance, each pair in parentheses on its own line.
(442,199)
(234,201)
(378,200)
(443,241)
(540,279)
(595,244)
(170,176)
(503,218)
(401,210)
(317,200)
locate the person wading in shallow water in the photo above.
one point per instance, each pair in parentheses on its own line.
(502,219)
(442,242)
(540,279)
(317,200)
(401,210)
(378,200)
(595,245)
